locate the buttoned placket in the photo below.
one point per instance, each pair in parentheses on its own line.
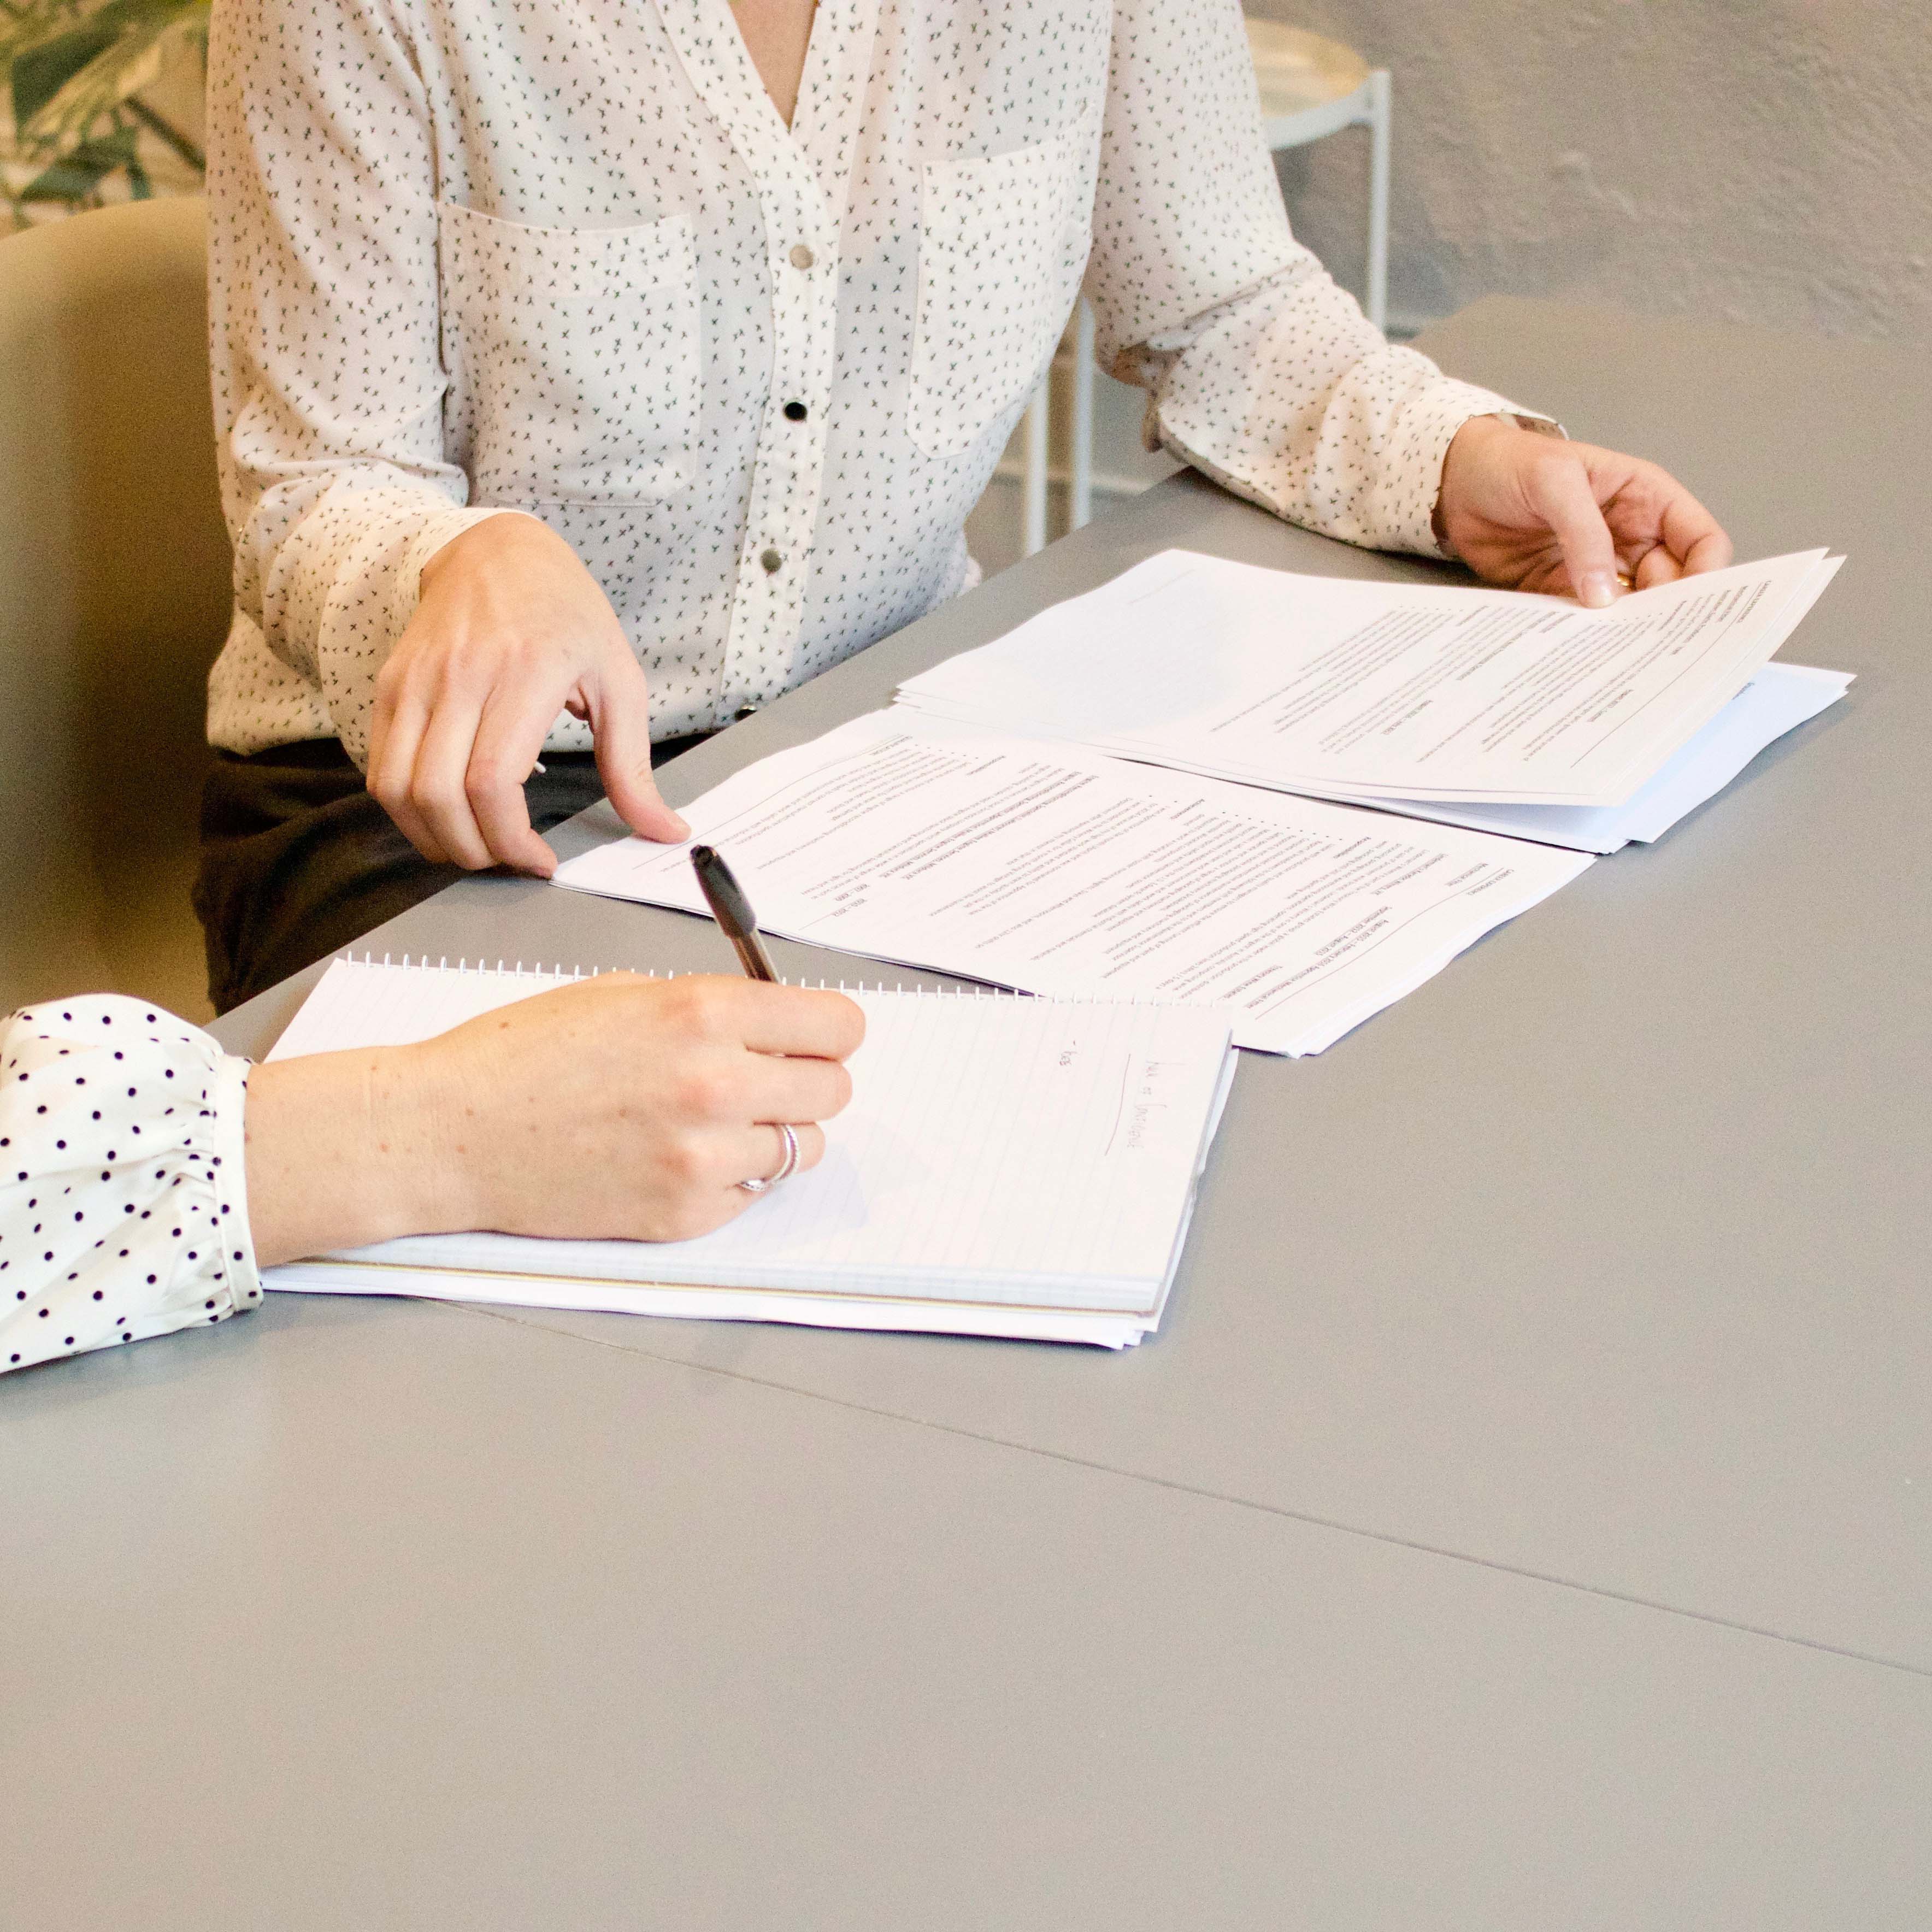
(801,176)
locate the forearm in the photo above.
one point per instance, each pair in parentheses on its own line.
(148,1174)
(1287,396)
(344,1149)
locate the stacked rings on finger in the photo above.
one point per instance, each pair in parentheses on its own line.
(787,1165)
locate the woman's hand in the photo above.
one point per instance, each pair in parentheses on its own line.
(1536,513)
(620,1107)
(511,629)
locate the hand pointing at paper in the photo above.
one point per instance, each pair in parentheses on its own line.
(1533,512)
(511,629)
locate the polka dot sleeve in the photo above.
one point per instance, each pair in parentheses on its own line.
(123,1207)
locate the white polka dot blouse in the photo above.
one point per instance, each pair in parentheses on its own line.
(469,256)
(123,1204)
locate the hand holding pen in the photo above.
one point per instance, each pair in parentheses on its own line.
(740,924)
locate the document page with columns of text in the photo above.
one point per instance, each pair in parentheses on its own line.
(1339,687)
(1055,869)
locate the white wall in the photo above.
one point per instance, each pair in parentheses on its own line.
(1766,161)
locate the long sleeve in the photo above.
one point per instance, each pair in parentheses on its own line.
(123,1204)
(1261,371)
(323,325)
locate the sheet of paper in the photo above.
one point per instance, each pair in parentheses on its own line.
(1029,1164)
(371,1003)
(1055,869)
(1778,699)
(1340,689)
(672,1302)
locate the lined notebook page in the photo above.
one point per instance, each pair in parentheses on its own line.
(371,1003)
(999,1149)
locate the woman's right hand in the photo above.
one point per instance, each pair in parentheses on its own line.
(619,1107)
(511,629)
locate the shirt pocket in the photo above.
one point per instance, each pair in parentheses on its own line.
(572,355)
(1002,244)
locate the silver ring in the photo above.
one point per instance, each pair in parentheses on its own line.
(788,1166)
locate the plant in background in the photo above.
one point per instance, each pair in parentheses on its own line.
(76,70)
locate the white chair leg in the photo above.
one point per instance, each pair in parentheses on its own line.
(1381,113)
(1033,488)
(1082,509)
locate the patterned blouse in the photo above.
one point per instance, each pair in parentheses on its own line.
(567,258)
(123,1204)
(542,255)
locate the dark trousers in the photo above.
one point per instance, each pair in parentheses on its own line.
(298,860)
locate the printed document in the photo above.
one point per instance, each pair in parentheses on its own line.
(1340,689)
(1778,699)
(1055,869)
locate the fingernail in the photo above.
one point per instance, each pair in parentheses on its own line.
(1600,588)
(683,829)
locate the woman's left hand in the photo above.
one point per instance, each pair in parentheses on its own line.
(1534,512)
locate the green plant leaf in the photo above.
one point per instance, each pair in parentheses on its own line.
(119,70)
(24,27)
(42,71)
(97,89)
(69,62)
(165,132)
(27,26)
(76,176)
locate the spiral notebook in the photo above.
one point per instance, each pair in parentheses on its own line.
(1008,1166)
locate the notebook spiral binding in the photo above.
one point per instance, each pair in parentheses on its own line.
(423,963)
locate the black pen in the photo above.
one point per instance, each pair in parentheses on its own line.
(732,910)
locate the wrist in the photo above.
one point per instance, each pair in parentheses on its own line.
(343,1149)
(493,534)
(425,1104)
(1465,446)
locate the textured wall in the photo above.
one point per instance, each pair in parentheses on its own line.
(1761,160)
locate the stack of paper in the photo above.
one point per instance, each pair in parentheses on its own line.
(1778,699)
(1402,696)
(1057,870)
(1022,1168)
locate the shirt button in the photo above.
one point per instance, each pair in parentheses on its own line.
(795,411)
(771,561)
(802,257)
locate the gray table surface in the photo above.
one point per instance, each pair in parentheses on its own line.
(1524,1518)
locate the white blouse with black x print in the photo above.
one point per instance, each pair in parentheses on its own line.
(566,258)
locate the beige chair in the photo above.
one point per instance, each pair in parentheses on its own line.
(114,598)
